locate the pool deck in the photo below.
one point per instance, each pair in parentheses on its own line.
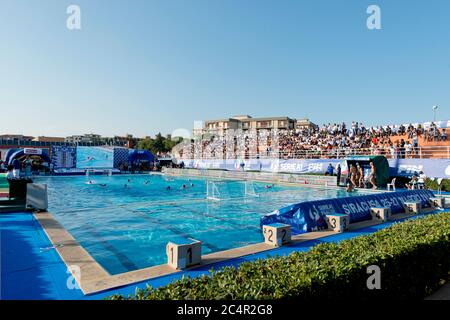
(32,267)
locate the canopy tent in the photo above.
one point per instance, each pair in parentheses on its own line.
(380,162)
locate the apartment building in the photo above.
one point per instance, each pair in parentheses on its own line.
(246,122)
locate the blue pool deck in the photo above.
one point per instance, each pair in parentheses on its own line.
(31,269)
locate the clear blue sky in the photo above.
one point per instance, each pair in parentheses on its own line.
(145,66)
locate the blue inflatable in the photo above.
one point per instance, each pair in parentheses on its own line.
(311,215)
(21,152)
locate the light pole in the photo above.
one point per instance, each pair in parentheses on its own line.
(434,113)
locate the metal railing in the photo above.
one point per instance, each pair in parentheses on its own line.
(428,152)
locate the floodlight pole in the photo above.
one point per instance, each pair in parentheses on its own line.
(434,113)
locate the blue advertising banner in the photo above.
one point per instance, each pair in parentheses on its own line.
(433,168)
(304,165)
(120,156)
(311,215)
(266,165)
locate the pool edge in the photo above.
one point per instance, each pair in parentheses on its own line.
(93,278)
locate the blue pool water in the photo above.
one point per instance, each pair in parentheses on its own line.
(126,224)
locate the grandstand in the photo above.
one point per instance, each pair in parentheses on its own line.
(333,141)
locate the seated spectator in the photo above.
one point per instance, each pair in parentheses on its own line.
(444,135)
(327,141)
(421,180)
(436,134)
(411,185)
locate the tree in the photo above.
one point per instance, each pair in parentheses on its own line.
(146,144)
(158,144)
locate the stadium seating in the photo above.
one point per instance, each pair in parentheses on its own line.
(328,141)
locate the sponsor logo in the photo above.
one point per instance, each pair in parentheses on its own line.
(410,168)
(32,151)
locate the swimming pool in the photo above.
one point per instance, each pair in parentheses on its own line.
(125,221)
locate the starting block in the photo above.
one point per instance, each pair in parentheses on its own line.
(183,254)
(412,207)
(437,202)
(381,213)
(338,222)
(277,234)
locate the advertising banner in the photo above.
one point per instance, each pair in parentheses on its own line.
(266,165)
(433,168)
(311,215)
(32,151)
(63,157)
(95,157)
(120,156)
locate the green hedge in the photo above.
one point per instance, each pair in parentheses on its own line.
(433,185)
(414,257)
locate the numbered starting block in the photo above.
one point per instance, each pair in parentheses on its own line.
(446,202)
(412,207)
(338,222)
(183,254)
(277,234)
(381,213)
(438,202)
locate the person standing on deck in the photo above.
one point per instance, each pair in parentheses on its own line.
(372,176)
(338,173)
(16,168)
(353,175)
(28,163)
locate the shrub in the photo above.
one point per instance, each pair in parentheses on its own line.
(433,185)
(414,256)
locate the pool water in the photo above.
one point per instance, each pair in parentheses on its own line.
(125,221)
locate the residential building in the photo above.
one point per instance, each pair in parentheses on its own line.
(245,122)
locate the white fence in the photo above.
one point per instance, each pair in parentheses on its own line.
(429,152)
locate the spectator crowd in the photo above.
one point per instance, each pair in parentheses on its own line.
(327,141)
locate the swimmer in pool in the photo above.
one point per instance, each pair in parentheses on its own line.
(168,188)
(90,182)
(102,184)
(147,182)
(192,184)
(183,187)
(125,185)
